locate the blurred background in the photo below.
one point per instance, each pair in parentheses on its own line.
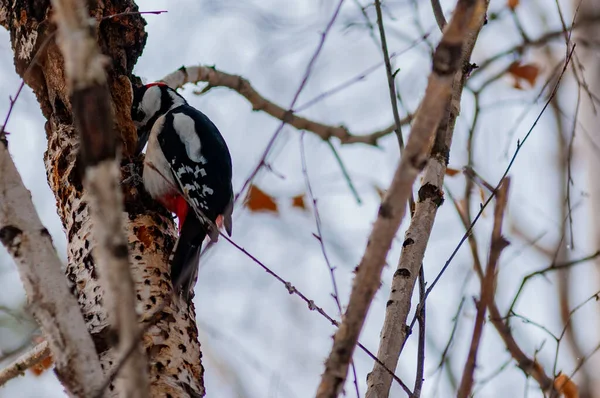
(260,341)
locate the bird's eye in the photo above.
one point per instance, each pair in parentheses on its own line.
(137,115)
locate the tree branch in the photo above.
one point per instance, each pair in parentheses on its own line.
(390,75)
(540,41)
(216,78)
(446,62)
(487,289)
(394,331)
(27,360)
(53,305)
(90,98)
(528,366)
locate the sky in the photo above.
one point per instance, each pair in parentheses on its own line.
(259,341)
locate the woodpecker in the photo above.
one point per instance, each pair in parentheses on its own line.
(187,169)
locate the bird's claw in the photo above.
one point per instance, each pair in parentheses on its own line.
(134,178)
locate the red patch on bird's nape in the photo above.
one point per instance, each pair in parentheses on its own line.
(160,84)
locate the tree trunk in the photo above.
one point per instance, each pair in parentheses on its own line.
(171,338)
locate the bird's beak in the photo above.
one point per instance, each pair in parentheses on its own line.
(142,140)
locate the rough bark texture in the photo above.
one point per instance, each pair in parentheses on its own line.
(431,196)
(171,343)
(100,160)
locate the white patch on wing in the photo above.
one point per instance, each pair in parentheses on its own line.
(186,129)
(206,190)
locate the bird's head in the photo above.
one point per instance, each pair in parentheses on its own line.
(149,103)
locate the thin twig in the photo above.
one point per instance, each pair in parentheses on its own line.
(438,13)
(344,170)
(390,75)
(321,239)
(446,63)
(313,307)
(540,41)
(529,366)
(12,100)
(520,144)
(129,12)
(359,77)
(288,114)
(419,379)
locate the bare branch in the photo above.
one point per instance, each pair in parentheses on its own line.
(438,12)
(311,305)
(394,332)
(390,75)
(420,379)
(446,61)
(320,237)
(540,41)
(487,289)
(27,360)
(216,78)
(529,366)
(90,97)
(53,305)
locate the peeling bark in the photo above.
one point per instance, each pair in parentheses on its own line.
(171,343)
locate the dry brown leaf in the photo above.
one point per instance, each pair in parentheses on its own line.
(565,386)
(298,201)
(451,172)
(257,200)
(512,4)
(41,366)
(527,72)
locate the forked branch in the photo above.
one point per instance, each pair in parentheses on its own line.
(446,62)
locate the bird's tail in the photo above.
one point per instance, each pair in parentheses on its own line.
(186,256)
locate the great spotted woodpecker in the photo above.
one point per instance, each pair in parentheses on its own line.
(187,169)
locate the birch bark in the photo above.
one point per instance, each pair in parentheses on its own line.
(171,342)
